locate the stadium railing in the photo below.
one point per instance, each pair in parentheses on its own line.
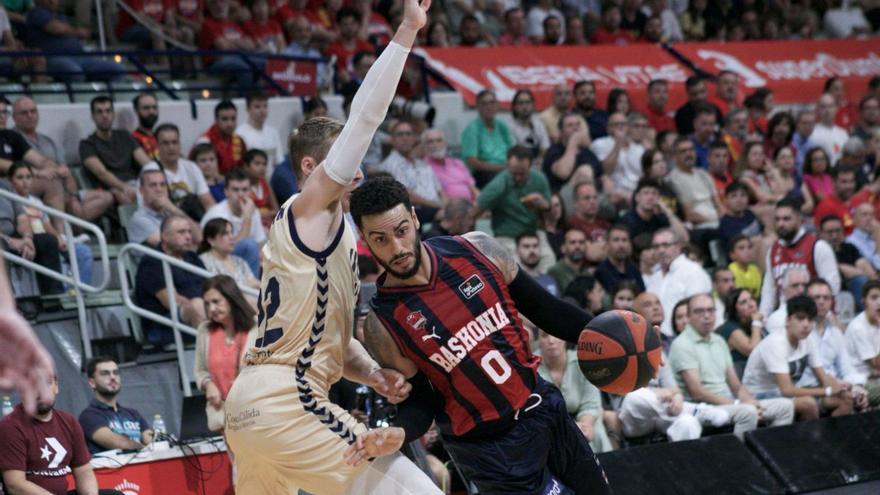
(174,322)
(74,279)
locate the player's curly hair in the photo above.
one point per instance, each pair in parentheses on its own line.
(377,194)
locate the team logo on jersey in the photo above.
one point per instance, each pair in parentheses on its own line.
(417,321)
(471,287)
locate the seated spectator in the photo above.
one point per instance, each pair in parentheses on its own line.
(143,36)
(585,105)
(205,156)
(722,283)
(145,224)
(221,343)
(526,127)
(726,96)
(641,132)
(23,435)
(780,129)
(785,183)
(150,290)
(623,294)
(254,167)
(654,167)
(794,283)
(650,214)
(621,159)
(146,108)
(283,182)
(863,340)
(49,31)
(586,293)
(855,271)
(753,170)
(574,31)
(586,213)
(536,17)
(186,183)
(869,118)
(302,43)
(826,134)
(738,219)
(572,152)
(111,157)
(658,96)
(583,401)
(866,234)
(842,202)
(816,177)
(485,141)
(677,277)
(229,146)
(258,134)
(266,32)
(183,19)
(455,179)
(704,133)
(218,32)
(514,29)
(779,361)
(735,132)
(610,32)
(560,104)
(553,34)
(239,209)
(424,189)
(644,254)
(746,273)
(827,338)
(108,425)
(805,122)
(215,251)
(17,237)
(704,371)
(516,197)
(617,267)
(697,96)
(349,42)
(660,407)
(457,218)
(21,176)
(743,328)
(696,190)
(719,167)
(573,261)
(471,33)
(528,255)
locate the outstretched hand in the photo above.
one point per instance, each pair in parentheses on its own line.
(375,443)
(29,367)
(415,13)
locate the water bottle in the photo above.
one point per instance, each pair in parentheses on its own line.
(7,406)
(158,427)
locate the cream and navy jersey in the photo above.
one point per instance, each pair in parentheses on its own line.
(307,302)
(463,332)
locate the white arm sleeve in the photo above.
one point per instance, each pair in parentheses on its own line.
(826,265)
(768,290)
(368,110)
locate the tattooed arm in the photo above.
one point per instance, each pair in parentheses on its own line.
(384,350)
(498,254)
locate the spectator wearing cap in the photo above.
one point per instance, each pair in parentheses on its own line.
(658,115)
(618,266)
(585,104)
(485,141)
(571,153)
(454,177)
(650,213)
(697,95)
(621,158)
(228,144)
(855,271)
(826,133)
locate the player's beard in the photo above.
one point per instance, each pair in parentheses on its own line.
(417,263)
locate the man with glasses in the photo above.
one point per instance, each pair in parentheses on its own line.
(621,158)
(106,424)
(677,278)
(855,271)
(704,370)
(485,141)
(696,192)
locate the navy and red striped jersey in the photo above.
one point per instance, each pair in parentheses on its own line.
(464,333)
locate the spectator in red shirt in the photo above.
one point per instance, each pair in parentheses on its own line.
(265,31)
(841,203)
(39,452)
(220,33)
(586,213)
(295,9)
(574,31)
(658,116)
(183,19)
(146,107)
(348,22)
(229,145)
(653,30)
(726,96)
(129,31)
(514,29)
(373,25)
(847,113)
(609,33)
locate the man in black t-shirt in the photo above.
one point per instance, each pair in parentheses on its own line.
(650,214)
(855,271)
(570,153)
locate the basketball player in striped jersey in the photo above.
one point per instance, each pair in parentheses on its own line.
(280,425)
(447,315)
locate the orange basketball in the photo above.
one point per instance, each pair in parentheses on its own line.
(618,351)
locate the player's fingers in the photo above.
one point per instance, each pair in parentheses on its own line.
(426,5)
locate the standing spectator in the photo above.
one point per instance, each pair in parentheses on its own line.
(650,213)
(215,251)
(677,277)
(696,190)
(586,213)
(156,205)
(621,158)
(826,134)
(866,234)
(151,293)
(743,328)
(516,197)
(538,14)
(841,202)
(514,29)
(58,437)
(855,271)
(457,219)
(618,267)
(571,152)
(869,118)
(704,133)
(746,273)
(560,104)
(528,255)
(585,104)
(610,32)
(266,31)
(221,343)
(572,265)
(704,370)
(795,248)
(526,127)
(228,144)
(348,22)
(485,141)
(111,157)
(219,32)
(779,361)
(455,179)
(805,123)
(186,183)
(239,209)
(658,96)
(146,108)
(257,134)
(205,156)
(863,340)
(49,31)
(697,95)
(108,425)
(424,189)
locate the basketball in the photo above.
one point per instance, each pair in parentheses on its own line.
(618,351)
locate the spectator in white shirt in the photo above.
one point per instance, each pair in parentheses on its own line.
(794,283)
(863,340)
(239,209)
(779,361)
(846,20)
(526,126)
(186,182)
(677,277)
(866,235)
(257,134)
(535,19)
(826,134)
(671,26)
(621,158)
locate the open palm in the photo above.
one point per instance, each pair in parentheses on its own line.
(415,13)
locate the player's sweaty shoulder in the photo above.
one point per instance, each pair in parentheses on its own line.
(497,253)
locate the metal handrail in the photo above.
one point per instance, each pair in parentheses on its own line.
(174,321)
(74,263)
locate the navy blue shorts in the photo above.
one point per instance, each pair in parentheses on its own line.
(543,453)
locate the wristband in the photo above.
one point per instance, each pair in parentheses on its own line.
(827,391)
(758,323)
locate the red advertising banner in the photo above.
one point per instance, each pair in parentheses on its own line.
(299,77)
(794,70)
(539,68)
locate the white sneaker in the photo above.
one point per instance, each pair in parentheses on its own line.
(711,416)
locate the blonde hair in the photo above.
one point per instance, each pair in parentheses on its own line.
(312,138)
